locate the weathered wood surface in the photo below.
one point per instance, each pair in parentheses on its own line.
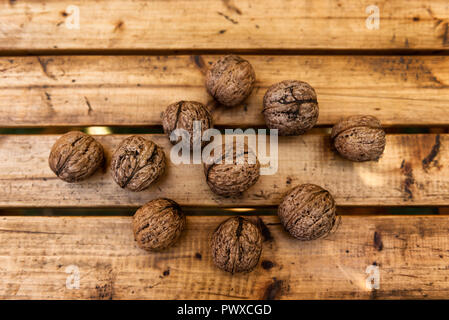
(134,90)
(226,24)
(411,253)
(412,171)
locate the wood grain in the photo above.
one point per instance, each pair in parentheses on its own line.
(225,25)
(134,90)
(410,252)
(412,171)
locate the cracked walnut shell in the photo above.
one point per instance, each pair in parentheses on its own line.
(158,224)
(75,156)
(359,138)
(235,177)
(182,114)
(230,80)
(308,212)
(291,107)
(236,245)
(136,163)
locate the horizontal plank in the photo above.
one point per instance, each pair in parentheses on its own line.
(134,90)
(412,171)
(38,254)
(225,24)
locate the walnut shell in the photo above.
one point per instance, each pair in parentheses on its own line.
(230,80)
(359,138)
(308,212)
(75,156)
(291,107)
(158,224)
(231,179)
(182,114)
(136,163)
(236,245)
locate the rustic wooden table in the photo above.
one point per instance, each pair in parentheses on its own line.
(85,63)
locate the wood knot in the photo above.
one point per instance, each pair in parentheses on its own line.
(377,241)
(273,290)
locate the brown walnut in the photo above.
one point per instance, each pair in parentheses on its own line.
(230,80)
(136,163)
(359,138)
(75,156)
(291,107)
(158,224)
(182,114)
(236,245)
(235,177)
(308,212)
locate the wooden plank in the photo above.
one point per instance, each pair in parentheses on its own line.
(409,251)
(226,24)
(134,90)
(412,171)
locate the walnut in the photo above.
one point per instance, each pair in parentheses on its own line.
(230,80)
(75,156)
(158,224)
(136,163)
(182,114)
(308,212)
(359,138)
(235,177)
(236,245)
(291,107)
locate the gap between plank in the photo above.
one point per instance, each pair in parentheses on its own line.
(299,52)
(151,129)
(214,211)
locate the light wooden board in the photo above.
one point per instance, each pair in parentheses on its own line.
(412,171)
(226,24)
(410,253)
(134,90)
